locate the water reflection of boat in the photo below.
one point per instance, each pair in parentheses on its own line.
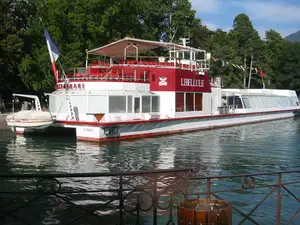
(166,158)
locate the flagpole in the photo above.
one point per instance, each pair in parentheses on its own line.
(65,77)
(249,82)
(245,72)
(52,62)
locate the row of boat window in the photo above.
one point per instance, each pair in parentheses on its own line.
(133,104)
(187,101)
(263,101)
(269,101)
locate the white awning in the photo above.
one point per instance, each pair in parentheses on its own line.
(116,49)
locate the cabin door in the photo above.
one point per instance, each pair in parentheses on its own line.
(137,105)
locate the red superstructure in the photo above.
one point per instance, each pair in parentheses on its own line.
(163,73)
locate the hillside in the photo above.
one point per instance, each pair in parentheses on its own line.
(295,37)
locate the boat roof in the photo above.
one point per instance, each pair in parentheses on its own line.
(116,49)
(261,92)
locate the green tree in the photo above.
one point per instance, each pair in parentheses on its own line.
(289,67)
(274,47)
(248,46)
(76,26)
(14,20)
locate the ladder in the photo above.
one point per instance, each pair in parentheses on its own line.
(38,104)
(70,109)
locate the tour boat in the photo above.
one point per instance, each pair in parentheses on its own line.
(123,93)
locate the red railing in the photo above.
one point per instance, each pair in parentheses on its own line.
(113,73)
(128,70)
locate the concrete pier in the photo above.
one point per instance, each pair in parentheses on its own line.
(3,124)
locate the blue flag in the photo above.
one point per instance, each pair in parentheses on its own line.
(53,48)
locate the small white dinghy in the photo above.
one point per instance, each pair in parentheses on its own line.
(35,119)
(30,119)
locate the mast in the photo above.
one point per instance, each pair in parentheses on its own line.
(87,58)
(249,82)
(245,72)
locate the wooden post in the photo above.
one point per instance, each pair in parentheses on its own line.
(278,211)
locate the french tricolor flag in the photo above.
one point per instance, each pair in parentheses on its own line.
(53,52)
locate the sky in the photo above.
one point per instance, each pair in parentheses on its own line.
(280,15)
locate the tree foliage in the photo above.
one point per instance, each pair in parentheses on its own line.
(76,26)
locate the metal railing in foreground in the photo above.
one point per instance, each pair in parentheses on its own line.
(144,197)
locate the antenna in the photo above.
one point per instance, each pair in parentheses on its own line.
(185,41)
(87,58)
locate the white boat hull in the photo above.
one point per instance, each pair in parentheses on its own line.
(140,130)
(21,128)
(96,132)
(30,124)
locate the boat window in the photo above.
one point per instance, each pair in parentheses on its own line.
(172,54)
(129,104)
(189,101)
(199,55)
(146,104)
(137,105)
(269,101)
(246,103)
(181,55)
(179,102)
(187,55)
(265,102)
(252,101)
(238,102)
(155,104)
(198,101)
(291,102)
(52,106)
(286,102)
(186,102)
(224,100)
(117,104)
(259,102)
(230,100)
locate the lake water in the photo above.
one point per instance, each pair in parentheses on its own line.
(265,147)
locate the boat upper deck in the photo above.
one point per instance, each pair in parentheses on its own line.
(127,61)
